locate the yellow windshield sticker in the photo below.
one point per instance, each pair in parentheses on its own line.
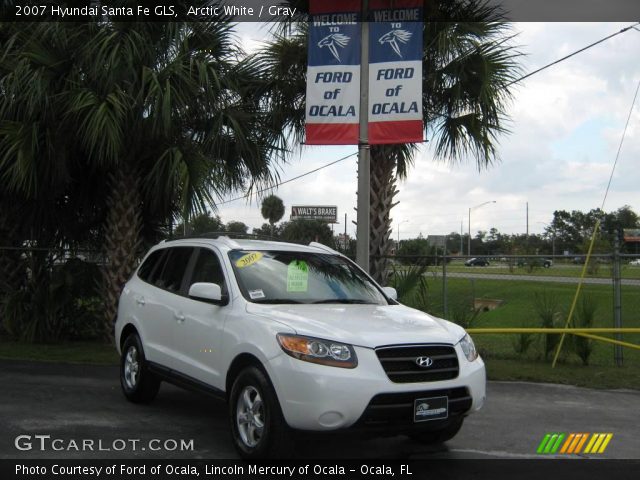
(248,259)
(297,276)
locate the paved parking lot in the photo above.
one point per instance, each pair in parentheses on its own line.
(75,403)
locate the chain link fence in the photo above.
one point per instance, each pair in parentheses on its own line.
(528,291)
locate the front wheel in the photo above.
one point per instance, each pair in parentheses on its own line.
(138,384)
(257,425)
(438,436)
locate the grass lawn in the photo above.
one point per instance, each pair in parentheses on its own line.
(69,352)
(519,310)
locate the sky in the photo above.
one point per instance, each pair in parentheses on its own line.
(566,124)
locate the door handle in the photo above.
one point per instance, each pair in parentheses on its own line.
(179,317)
(140,301)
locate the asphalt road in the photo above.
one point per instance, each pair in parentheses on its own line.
(537,278)
(73,402)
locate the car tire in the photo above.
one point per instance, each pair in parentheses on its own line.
(438,436)
(138,384)
(257,424)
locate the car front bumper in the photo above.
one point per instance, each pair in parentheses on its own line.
(323,398)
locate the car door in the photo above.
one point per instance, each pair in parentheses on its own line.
(201,331)
(163,319)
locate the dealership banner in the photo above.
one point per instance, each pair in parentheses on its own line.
(333,73)
(395,72)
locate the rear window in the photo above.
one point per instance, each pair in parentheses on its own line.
(146,270)
(174,268)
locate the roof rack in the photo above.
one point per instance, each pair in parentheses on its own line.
(324,247)
(228,235)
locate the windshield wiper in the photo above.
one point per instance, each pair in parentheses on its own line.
(346,300)
(276,300)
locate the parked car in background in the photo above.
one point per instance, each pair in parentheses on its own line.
(635,263)
(534,262)
(476,262)
(292,337)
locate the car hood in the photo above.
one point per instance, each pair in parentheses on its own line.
(363,325)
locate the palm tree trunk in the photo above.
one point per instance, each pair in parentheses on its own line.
(122,240)
(383,191)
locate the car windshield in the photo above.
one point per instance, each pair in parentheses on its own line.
(301,277)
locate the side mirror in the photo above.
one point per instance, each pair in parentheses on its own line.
(390,292)
(207,292)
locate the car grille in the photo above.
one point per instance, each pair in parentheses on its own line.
(400,363)
(398,408)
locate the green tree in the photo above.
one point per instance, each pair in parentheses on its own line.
(267,231)
(141,122)
(237,227)
(306,231)
(201,223)
(468,66)
(272,210)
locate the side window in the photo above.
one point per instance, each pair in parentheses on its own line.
(208,269)
(173,272)
(150,264)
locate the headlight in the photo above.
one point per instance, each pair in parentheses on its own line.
(316,350)
(468,348)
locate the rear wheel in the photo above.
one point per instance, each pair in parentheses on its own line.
(257,425)
(138,384)
(438,436)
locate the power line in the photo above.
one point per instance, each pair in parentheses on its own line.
(630,27)
(247,195)
(624,133)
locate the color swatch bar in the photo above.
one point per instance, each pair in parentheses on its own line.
(573,443)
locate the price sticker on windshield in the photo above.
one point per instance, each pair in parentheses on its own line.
(297,276)
(248,259)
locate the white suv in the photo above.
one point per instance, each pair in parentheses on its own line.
(292,337)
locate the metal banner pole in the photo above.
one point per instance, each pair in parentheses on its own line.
(362,231)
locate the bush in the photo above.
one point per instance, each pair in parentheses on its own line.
(464,313)
(55,303)
(522,341)
(585,314)
(411,285)
(547,308)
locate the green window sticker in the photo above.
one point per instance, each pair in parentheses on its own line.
(297,276)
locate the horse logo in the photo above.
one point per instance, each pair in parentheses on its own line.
(333,41)
(395,36)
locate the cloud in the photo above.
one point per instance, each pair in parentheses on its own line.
(566,124)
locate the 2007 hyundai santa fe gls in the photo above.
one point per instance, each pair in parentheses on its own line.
(293,337)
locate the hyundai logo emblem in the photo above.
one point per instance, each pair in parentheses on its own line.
(424,362)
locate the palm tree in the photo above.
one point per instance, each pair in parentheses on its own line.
(272,210)
(468,65)
(153,121)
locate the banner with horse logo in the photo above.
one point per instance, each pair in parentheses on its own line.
(333,73)
(395,71)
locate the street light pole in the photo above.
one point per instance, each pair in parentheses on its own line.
(473,208)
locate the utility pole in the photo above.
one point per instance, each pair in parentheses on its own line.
(461,222)
(364,152)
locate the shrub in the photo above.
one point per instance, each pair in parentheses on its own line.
(522,341)
(546,306)
(585,315)
(411,285)
(55,303)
